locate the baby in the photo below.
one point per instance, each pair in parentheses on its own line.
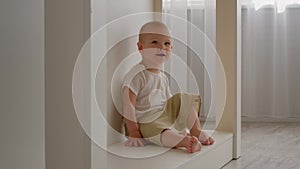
(151,112)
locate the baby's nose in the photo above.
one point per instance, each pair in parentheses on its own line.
(160,46)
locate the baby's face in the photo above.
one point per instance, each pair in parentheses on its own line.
(155,48)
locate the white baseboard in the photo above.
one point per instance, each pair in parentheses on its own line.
(269,119)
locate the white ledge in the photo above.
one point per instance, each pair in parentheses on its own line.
(152,156)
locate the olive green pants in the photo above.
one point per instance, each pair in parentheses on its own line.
(174,117)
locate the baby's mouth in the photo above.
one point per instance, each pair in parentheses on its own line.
(161,54)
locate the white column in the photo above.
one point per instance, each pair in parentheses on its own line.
(229,49)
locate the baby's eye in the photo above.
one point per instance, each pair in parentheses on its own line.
(154,42)
(167,43)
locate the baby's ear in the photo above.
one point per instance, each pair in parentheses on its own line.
(140,46)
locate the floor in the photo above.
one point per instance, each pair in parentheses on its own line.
(269,146)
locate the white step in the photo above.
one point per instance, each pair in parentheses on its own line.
(155,157)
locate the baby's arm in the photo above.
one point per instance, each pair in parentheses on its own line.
(135,138)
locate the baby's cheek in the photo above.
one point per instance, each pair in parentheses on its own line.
(149,52)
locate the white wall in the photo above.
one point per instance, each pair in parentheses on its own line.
(22,84)
(127,46)
(118,46)
(67,28)
(105,12)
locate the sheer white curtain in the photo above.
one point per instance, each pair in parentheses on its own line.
(279,5)
(271,59)
(202,14)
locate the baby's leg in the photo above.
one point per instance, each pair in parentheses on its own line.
(195,129)
(172,139)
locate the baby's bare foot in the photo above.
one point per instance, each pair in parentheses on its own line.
(205,139)
(193,144)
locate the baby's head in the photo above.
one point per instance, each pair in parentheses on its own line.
(154,43)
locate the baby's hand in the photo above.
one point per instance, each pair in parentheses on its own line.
(135,142)
(135,139)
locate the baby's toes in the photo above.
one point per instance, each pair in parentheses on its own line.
(206,142)
(211,140)
(205,139)
(193,145)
